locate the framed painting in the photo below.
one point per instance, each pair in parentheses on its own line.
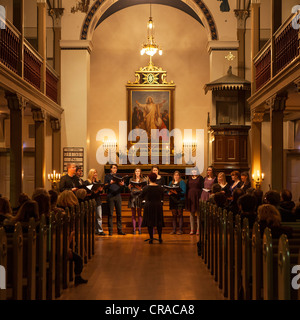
(150,108)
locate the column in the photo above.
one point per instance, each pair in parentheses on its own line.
(241,16)
(276,12)
(257,119)
(39,117)
(56,144)
(277,105)
(16,106)
(41,5)
(56,14)
(75,86)
(18,21)
(255,38)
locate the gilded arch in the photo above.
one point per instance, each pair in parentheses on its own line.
(210,23)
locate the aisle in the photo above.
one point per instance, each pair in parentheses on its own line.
(127,268)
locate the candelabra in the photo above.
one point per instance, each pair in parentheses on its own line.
(110,147)
(190,147)
(258,178)
(54,178)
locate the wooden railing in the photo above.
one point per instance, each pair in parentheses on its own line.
(278,53)
(51,84)
(263,66)
(10,46)
(31,65)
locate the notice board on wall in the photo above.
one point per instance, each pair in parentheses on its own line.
(73,155)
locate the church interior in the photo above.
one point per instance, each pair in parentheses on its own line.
(85,82)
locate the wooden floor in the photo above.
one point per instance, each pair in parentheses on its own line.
(127,268)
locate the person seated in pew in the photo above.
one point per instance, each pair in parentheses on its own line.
(247,204)
(68,199)
(220,200)
(258,194)
(269,216)
(23,197)
(272,197)
(214,189)
(233,205)
(42,197)
(53,202)
(286,206)
(5,209)
(297,211)
(29,209)
(81,195)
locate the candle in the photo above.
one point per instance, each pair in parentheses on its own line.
(48,176)
(253,176)
(262,176)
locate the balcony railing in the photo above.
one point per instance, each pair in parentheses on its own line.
(10,46)
(278,53)
(31,66)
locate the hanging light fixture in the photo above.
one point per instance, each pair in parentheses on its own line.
(150,48)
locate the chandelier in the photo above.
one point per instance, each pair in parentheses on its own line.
(150,48)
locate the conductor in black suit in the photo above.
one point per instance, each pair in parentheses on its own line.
(114,199)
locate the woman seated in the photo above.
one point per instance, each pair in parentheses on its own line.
(269,216)
(67,199)
(5,209)
(29,209)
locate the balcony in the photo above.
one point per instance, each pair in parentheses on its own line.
(23,60)
(277,64)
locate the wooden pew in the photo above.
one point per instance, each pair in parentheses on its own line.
(209,224)
(216,242)
(201,227)
(65,248)
(89,228)
(224,255)
(77,229)
(230,255)
(3,261)
(286,260)
(246,260)
(59,254)
(82,230)
(237,257)
(41,276)
(205,232)
(220,248)
(51,257)
(30,256)
(94,206)
(72,246)
(14,267)
(272,260)
(256,263)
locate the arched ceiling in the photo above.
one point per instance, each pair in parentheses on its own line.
(178,4)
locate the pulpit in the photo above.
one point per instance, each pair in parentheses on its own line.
(230,147)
